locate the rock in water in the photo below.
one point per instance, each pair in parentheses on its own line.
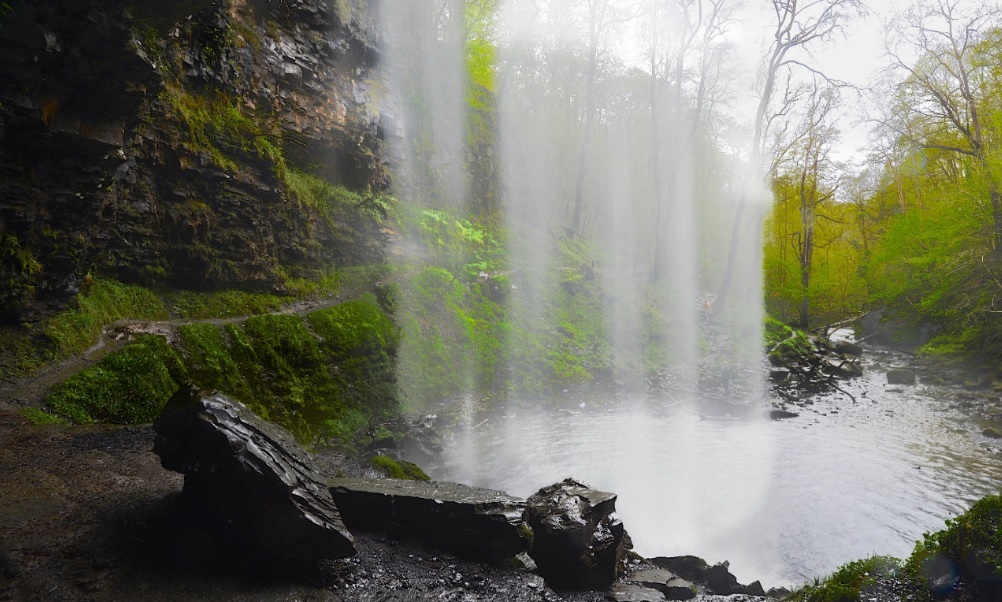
(579,542)
(250,475)
(900,376)
(467,521)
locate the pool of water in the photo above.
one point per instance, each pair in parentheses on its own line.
(782,500)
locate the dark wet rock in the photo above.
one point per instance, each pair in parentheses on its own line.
(900,376)
(779,375)
(719,580)
(579,542)
(101,173)
(777,592)
(467,521)
(992,433)
(848,348)
(941,574)
(672,586)
(628,592)
(251,476)
(781,414)
(754,589)
(692,568)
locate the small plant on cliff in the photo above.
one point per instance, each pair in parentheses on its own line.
(219,126)
(19,272)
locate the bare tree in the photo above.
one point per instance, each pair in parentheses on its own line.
(602,17)
(945,94)
(681,31)
(799,26)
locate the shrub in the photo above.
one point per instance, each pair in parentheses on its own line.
(847,583)
(128,386)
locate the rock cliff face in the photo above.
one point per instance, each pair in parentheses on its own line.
(182,143)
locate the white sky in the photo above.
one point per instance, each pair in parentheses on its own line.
(856,59)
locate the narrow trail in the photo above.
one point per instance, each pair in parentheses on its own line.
(30,391)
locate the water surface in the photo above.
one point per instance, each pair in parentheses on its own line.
(783,501)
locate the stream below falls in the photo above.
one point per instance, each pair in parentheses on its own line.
(783,500)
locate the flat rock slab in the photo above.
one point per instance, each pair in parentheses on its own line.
(251,476)
(628,592)
(467,521)
(672,586)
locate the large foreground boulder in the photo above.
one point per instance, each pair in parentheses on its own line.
(250,475)
(579,541)
(476,523)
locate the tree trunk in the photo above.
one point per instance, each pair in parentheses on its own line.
(996,198)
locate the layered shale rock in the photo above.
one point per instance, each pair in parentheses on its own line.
(251,476)
(155,142)
(467,521)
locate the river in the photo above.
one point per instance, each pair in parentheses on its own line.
(783,501)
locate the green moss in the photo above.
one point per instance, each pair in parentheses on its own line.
(972,542)
(211,362)
(847,583)
(218,126)
(322,377)
(103,302)
(39,417)
(786,344)
(20,272)
(196,305)
(129,386)
(399,469)
(354,327)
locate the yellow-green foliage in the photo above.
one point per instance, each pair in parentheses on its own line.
(128,386)
(399,469)
(104,302)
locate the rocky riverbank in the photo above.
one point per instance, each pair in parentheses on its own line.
(88,513)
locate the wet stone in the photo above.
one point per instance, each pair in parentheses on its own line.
(628,592)
(579,542)
(468,521)
(669,584)
(250,476)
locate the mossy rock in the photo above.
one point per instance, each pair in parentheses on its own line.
(399,469)
(972,546)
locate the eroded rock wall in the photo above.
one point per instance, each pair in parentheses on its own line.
(156,143)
